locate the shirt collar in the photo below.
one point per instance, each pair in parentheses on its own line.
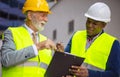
(29,29)
(89,39)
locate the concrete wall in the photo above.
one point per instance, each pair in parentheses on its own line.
(67,10)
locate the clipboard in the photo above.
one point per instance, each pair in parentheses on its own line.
(61,63)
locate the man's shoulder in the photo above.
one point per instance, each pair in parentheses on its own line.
(16,27)
(109,36)
(80,32)
(116,42)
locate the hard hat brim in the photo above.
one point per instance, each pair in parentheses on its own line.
(97,19)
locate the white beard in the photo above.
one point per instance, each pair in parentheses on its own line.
(39,25)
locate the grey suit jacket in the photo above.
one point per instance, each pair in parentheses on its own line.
(0,59)
(0,66)
(11,56)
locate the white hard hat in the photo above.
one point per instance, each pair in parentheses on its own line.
(99,11)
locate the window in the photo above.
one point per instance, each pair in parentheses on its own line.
(54,35)
(3,14)
(71,26)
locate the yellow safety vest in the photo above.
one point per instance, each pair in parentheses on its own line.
(33,67)
(97,54)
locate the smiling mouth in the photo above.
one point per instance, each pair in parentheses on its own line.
(89,30)
(42,24)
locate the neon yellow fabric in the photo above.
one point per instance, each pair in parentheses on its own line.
(97,54)
(23,39)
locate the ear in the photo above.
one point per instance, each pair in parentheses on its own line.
(29,14)
(104,24)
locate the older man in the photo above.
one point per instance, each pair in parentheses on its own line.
(26,52)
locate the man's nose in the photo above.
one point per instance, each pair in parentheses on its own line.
(91,24)
(46,19)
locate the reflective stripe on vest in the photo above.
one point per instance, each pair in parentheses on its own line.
(97,54)
(92,67)
(43,65)
(28,63)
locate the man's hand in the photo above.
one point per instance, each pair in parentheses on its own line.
(47,44)
(60,47)
(79,71)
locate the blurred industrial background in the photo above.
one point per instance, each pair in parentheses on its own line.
(66,18)
(11,14)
